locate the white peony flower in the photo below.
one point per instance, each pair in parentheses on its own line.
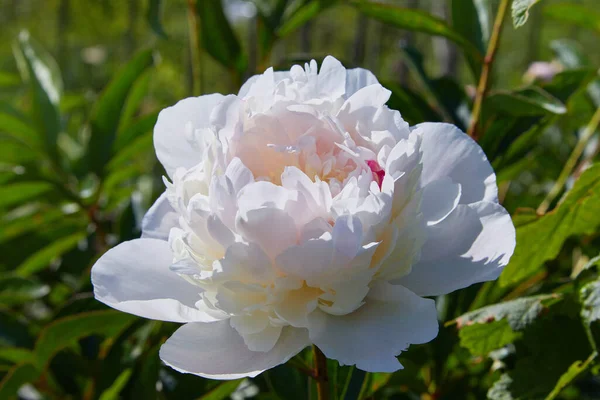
(305,211)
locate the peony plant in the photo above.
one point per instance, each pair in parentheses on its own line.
(304,211)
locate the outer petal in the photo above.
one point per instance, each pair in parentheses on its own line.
(170,138)
(134,277)
(215,350)
(448,152)
(471,245)
(159,219)
(371,337)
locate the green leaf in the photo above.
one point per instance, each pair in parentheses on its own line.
(8,80)
(222,391)
(571,56)
(302,15)
(40,70)
(420,21)
(471,19)
(575,370)
(112,393)
(143,125)
(520,11)
(542,238)
(19,128)
(134,100)
(18,290)
(22,192)
(31,222)
(16,355)
(153,16)
(481,339)
(218,37)
(574,14)
(527,102)
(518,313)
(356,384)
(62,332)
(109,109)
(412,106)
(542,358)
(43,257)
(17,377)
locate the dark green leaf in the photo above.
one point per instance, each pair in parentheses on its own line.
(112,393)
(109,109)
(541,239)
(153,17)
(43,257)
(571,56)
(65,331)
(303,14)
(520,11)
(17,377)
(355,385)
(470,18)
(46,89)
(222,391)
(17,290)
(16,355)
(144,125)
(420,21)
(22,192)
(527,102)
(413,108)
(575,370)
(218,37)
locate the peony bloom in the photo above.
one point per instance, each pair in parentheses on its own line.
(305,211)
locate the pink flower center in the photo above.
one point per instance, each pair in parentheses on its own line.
(378,172)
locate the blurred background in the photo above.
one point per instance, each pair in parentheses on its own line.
(81,85)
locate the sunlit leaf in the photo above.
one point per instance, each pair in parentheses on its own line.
(471,19)
(112,393)
(223,391)
(527,102)
(542,238)
(480,339)
(520,11)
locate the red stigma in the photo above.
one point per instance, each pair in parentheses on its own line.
(378,172)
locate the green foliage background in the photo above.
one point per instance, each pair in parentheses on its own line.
(81,85)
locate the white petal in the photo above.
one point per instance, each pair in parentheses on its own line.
(358,78)
(440,198)
(271,228)
(215,350)
(263,341)
(371,337)
(332,78)
(134,277)
(473,244)
(159,219)
(448,152)
(170,139)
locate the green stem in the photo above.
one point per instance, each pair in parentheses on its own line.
(589,131)
(482,86)
(321,374)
